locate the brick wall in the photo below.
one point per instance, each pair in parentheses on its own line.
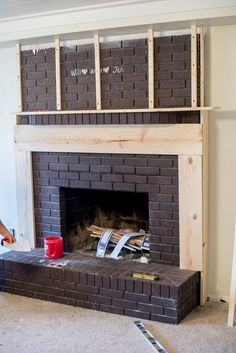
(124,75)
(112,118)
(155,175)
(78,77)
(38,79)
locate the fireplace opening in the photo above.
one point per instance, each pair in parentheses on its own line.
(87,213)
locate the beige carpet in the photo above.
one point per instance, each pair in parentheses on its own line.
(34,326)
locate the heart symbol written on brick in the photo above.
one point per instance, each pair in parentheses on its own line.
(106,69)
(84,71)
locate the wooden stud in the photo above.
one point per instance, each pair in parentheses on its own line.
(194,64)
(190,212)
(202,69)
(138,139)
(24,192)
(151,67)
(205,195)
(97,72)
(18,61)
(110,111)
(58,73)
(232,297)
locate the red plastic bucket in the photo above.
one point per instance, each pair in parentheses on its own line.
(53,247)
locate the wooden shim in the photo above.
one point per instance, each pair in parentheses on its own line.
(150,68)
(232,297)
(18,67)
(202,69)
(190,212)
(156,139)
(58,73)
(24,192)
(97,72)
(110,111)
(194,65)
(205,182)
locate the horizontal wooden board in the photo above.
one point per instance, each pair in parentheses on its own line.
(109,111)
(156,139)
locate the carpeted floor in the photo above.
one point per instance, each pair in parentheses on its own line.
(34,326)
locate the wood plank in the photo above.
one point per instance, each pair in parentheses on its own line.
(97,71)
(194,65)
(205,194)
(58,73)
(202,69)
(190,212)
(232,297)
(18,68)
(150,67)
(110,111)
(159,139)
(24,192)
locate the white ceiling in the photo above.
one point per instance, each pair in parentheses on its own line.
(16,8)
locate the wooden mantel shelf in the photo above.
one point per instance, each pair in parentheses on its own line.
(110,111)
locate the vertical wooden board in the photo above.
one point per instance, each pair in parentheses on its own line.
(190,212)
(18,67)
(150,68)
(58,73)
(194,65)
(232,297)
(97,72)
(202,69)
(24,190)
(205,226)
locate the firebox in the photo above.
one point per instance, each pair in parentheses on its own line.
(73,190)
(104,209)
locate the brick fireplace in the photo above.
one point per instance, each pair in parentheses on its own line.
(152,158)
(155,176)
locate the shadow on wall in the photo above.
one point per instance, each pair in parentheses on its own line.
(222,199)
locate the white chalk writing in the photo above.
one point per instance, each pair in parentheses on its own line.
(86,71)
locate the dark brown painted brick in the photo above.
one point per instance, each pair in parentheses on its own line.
(137,313)
(142,298)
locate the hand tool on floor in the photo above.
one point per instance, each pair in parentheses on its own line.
(154,343)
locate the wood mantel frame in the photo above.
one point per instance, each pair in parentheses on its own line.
(188,141)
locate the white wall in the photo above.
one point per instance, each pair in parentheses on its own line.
(8,104)
(221,91)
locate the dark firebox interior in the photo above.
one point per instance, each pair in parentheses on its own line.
(107,209)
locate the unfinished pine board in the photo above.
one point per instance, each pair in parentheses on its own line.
(97,72)
(110,111)
(190,212)
(58,73)
(159,139)
(150,68)
(232,297)
(205,194)
(18,67)
(24,192)
(202,69)
(194,65)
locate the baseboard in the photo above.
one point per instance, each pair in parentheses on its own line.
(218,299)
